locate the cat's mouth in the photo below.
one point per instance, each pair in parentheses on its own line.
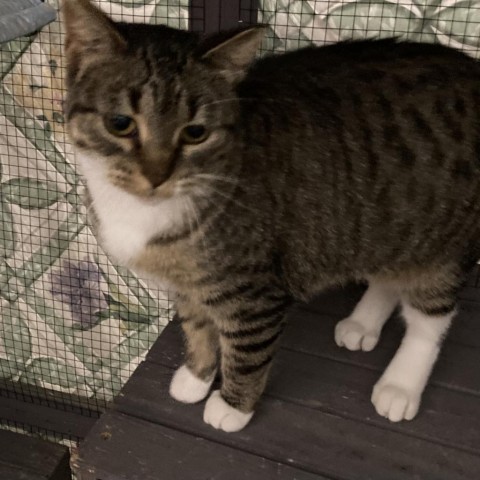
(147,188)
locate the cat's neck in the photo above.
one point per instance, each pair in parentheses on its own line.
(126,223)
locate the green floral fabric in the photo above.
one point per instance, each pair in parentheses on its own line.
(70,319)
(296,23)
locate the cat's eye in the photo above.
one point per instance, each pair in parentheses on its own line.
(194,134)
(120,125)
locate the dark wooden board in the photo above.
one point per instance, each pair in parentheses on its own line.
(67,402)
(12,473)
(316,414)
(68,423)
(312,371)
(311,333)
(121,447)
(313,439)
(212,16)
(27,458)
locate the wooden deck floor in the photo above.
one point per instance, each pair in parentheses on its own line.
(315,421)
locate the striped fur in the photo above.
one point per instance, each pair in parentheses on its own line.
(358,161)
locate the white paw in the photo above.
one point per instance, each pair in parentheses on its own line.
(355,336)
(394,402)
(187,388)
(220,415)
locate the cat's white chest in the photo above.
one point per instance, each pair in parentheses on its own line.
(127,223)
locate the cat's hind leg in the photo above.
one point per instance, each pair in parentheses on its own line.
(192,381)
(428,314)
(361,330)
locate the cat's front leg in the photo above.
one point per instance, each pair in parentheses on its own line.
(398,393)
(248,342)
(192,381)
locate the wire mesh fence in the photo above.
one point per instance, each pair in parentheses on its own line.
(295,24)
(72,321)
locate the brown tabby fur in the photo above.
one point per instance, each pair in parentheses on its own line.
(350,162)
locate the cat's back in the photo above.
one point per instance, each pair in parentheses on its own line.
(346,58)
(369,137)
(361,66)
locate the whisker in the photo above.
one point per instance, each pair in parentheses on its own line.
(232,199)
(213,177)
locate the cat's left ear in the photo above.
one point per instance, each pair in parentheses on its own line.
(90,34)
(233,56)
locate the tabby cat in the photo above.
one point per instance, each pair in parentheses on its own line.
(249,184)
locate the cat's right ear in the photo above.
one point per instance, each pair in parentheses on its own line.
(232,55)
(90,34)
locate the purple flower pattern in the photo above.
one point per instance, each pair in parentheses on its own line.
(78,285)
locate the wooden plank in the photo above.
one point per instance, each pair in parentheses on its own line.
(28,458)
(211,16)
(28,393)
(196,17)
(313,439)
(249,12)
(168,350)
(312,334)
(12,473)
(447,415)
(68,423)
(122,447)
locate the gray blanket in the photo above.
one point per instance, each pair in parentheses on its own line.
(21,17)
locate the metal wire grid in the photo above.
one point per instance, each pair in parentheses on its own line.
(39,284)
(71,322)
(296,23)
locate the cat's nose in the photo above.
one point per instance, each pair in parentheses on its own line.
(156,163)
(156,183)
(154,174)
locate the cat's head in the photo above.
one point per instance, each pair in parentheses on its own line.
(151,107)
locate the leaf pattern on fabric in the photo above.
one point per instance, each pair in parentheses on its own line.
(461,23)
(15,341)
(30,193)
(51,372)
(7,234)
(49,259)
